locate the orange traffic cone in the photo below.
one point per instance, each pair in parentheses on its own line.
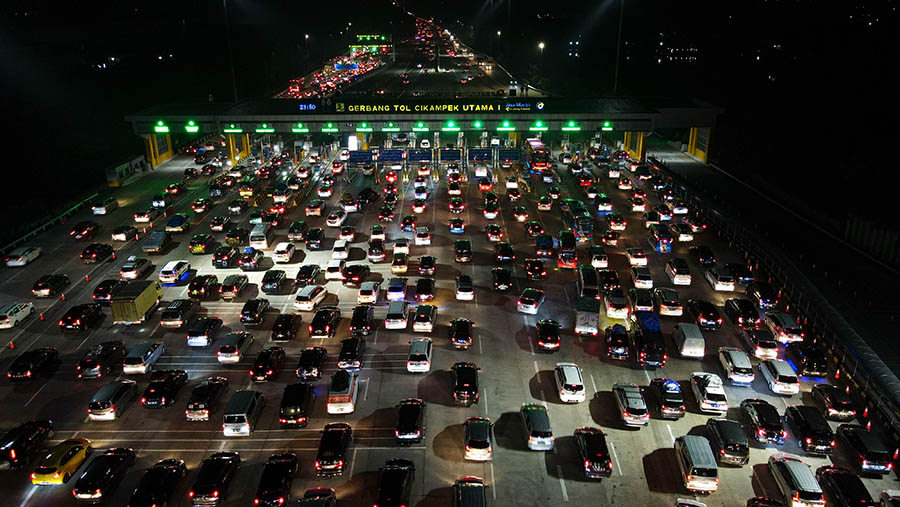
(12,344)
(62,297)
(42,316)
(87,278)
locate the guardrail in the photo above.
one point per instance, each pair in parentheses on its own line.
(854,360)
(53,221)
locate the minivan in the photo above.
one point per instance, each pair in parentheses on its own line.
(142,357)
(796,481)
(242,412)
(697,464)
(111,399)
(678,271)
(179,313)
(780,377)
(234,346)
(423,322)
(419,360)
(729,440)
(784,327)
(736,364)
(261,236)
(689,340)
(536,421)
(397,315)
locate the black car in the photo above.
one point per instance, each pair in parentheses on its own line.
(103,475)
(762,501)
(225,257)
(408,223)
(273,281)
(205,398)
(201,244)
(728,441)
(214,476)
(254,312)
(362,321)
(410,421)
(835,402)
(96,252)
(325,322)
(762,294)
(548,335)
(808,359)
(277,477)
(367,196)
(351,355)
(462,250)
(427,264)
(101,360)
(811,429)
(705,314)
(740,272)
(23,442)
(307,274)
(386,213)
(842,487)
(669,398)
(81,318)
(84,230)
(461,333)
(295,405)
(250,259)
(237,236)
(332,453)
(503,252)
(742,312)
(268,363)
(502,279)
(49,286)
(311,362)
(203,286)
(534,269)
(31,363)
(395,483)
(106,289)
(163,388)
(763,421)
(424,289)
(233,286)
(650,348)
(286,327)
(297,230)
(609,279)
(465,383)
(617,342)
(702,255)
(355,274)
(868,452)
(595,456)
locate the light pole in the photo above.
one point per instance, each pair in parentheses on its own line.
(541,47)
(306,40)
(618,47)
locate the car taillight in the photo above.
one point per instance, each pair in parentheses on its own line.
(808,441)
(190,494)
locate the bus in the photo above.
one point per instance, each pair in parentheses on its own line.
(588,283)
(567,256)
(578,218)
(248,187)
(660,238)
(537,156)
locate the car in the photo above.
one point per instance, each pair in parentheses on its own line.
(761,343)
(274,486)
(719,279)
(553,191)
(427,264)
(315,208)
(410,426)
(237,236)
(616,304)
(325,190)
(485,184)
(638,205)
(61,462)
(79,318)
(812,431)
(314,238)
(31,363)
(362,320)
(640,300)
(702,255)
(273,281)
(764,423)
(669,399)
(456,205)
(808,359)
(106,289)
(535,270)
(251,258)
(762,294)
(545,203)
(396,290)
(390,188)
(651,218)
(494,232)
(705,314)
(158,483)
(377,232)
(624,183)
(283,253)
(201,244)
(100,360)
(835,402)
(214,476)
(569,382)
(311,363)
(22,256)
(179,222)
(308,273)
(96,252)
(709,392)
(135,268)
(325,322)
(423,236)
(418,205)
(267,364)
(736,364)
(233,286)
(478,439)
(367,196)
(784,327)
(354,275)
(609,237)
(203,331)
(609,279)
(740,272)
(636,256)
(254,311)
(462,250)
(728,441)
(351,354)
(616,222)
(297,230)
(594,452)
(464,379)
(332,452)
(336,218)
(408,224)
(530,301)
(742,312)
(102,476)
(454,188)
(503,252)
(533,228)
(842,486)
(457,226)
(668,301)
(121,233)
(547,335)
(201,205)
(84,230)
(869,454)
(163,388)
(348,233)
(237,207)
(536,425)
(632,406)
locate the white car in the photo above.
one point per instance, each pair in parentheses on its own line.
(631,404)
(780,377)
(719,279)
(377,233)
(636,256)
(13,313)
(682,232)
(481,171)
(737,366)
(642,277)
(569,383)
(401,245)
(490,214)
(174,271)
(340,250)
(678,208)
(709,392)
(344,155)
(454,189)
(423,236)
(368,293)
(22,256)
(668,301)
(334,269)
(613,173)
(105,206)
(283,252)
(419,362)
(310,297)
(425,144)
(530,301)
(396,290)
(545,206)
(336,218)
(616,304)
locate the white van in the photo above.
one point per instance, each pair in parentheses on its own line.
(173,271)
(397,315)
(697,464)
(340,250)
(689,340)
(419,360)
(342,392)
(242,413)
(261,236)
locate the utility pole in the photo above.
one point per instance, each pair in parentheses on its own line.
(230,56)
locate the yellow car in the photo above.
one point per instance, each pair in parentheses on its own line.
(61,462)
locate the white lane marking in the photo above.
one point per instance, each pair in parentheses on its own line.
(537,372)
(485,404)
(35,395)
(222,445)
(647,374)
(562,483)
(615,457)
(375,339)
(265,449)
(83,342)
(366,391)
(28,496)
(593,382)
(480,347)
(352,463)
(671,435)
(493,482)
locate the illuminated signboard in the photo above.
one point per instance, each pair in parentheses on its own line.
(607,126)
(191,127)
(341,107)
(538,126)
(450,126)
(364,127)
(571,126)
(420,127)
(161,128)
(264,128)
(299,129)
(232,129)
(506,126)
(390,127)
(329,127)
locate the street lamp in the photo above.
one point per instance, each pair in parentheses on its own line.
(498,33)
(541,47)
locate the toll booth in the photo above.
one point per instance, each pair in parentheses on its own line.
(508,159)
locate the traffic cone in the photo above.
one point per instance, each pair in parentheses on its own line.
(847,390)
(42,316)
(866,413)
(62,297)
(12,344)
(896,452)
(87,278)
(114,256)
(837,375)
(869,425)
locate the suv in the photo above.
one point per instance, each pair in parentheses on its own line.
(632,406)
(536,423)
(254,312)
(463,250)
(728,441)
(464,376)
(410,421)
(811,429)
(868,451)
(362,320)
(594,452)
(351,354)
(763,421)
(286,326)
(396,481)
(332,452)
(325,322)
(233,286)
(478,439)
(101,360)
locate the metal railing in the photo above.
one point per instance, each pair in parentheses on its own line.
(50,223)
